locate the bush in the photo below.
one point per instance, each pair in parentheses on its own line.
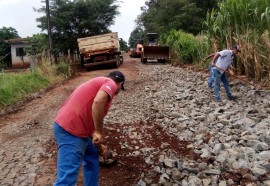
(63,68)
(16,86)
(184,47)
(203,51)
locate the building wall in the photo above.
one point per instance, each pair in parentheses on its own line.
(19,61)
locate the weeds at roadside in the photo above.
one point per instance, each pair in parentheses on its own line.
(16,86)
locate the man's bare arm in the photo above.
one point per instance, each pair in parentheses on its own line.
(216,56)
(98,114)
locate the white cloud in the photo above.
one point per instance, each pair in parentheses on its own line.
(20,15)
(9,2)
(125,23)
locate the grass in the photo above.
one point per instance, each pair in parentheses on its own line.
(17,86)
(14,87)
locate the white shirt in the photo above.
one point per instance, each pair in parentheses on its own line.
(224,61)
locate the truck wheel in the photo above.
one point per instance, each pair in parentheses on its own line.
(82,61)
(144,60)
(121,60)
(90,68)
(161,60)
(117,63)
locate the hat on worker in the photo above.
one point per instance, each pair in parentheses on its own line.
(119,75)
(237,47)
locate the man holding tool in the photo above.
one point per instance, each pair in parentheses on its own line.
(78,129)
(221,62)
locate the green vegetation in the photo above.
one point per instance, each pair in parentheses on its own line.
(214,25)
(5,50)
(123,45)
(161,16)
(5,34)
(37,44)
(63,69)
(192,28)
(247,23)
(184,47)
(77,19)
(17,86)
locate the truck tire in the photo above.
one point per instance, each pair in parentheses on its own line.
(161,60)
(117,63)
(144,60)
(90,68)
(121,60)
(82,61)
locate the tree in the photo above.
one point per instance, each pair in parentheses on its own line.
(37,44)
(137,33)
(123,45)
(78,18)
(164,15)
(5,34)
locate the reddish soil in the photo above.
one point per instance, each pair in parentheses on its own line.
(128,169)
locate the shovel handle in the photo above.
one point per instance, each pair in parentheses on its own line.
(236,77)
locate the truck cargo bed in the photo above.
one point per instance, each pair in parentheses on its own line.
(98,44)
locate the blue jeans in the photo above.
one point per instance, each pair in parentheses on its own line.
(211,77)
(72,152)
(221,77)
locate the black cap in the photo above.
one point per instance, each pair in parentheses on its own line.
(119,75)
(237,47)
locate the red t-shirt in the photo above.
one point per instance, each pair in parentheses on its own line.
(75,115)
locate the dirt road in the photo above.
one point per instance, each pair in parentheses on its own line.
(28,151)
(154,128)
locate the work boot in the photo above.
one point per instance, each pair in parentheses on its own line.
(217,99)
(210,90)
(231,97)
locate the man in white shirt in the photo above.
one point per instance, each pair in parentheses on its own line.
(221,62)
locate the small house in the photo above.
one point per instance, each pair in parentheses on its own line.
(19,59)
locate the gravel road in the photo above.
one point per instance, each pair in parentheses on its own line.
(164,130)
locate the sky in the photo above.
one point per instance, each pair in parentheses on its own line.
(20,15)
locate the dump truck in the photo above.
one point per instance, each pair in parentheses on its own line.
(152,51)
(100,50)
(136,51)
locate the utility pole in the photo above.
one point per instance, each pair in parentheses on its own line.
(49,28)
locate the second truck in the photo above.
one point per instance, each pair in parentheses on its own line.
(136,51)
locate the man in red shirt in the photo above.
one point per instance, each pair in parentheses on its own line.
(78,128)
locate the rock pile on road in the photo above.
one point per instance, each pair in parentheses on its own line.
(233,136)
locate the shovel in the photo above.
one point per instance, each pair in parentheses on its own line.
(105,158)
(257,87)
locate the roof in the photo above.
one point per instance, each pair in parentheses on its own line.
(16,41)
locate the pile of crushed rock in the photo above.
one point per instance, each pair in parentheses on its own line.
(234,135)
